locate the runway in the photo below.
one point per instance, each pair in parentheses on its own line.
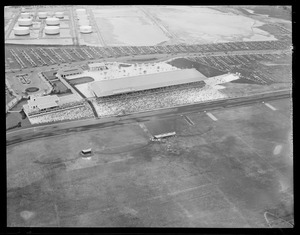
(49,130)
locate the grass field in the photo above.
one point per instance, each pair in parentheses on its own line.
(60,88)
(280,12)
(8,97)
(81,80)
(224,173)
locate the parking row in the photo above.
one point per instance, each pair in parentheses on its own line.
(242,63)
(38,56)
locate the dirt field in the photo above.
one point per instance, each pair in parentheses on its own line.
(224,173)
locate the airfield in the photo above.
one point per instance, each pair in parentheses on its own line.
(230,163)
(226,172)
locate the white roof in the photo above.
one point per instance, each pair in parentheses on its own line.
(44,102)
(96,65)
(144,82)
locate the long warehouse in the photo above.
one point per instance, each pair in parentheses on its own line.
(144,82)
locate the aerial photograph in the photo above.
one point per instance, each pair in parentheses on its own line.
(149,116)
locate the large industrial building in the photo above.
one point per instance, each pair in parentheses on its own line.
(144,82)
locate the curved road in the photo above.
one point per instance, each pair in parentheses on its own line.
(49,130)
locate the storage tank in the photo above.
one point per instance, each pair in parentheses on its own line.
(24,22)
(21,31)
(25,15)
(52,21)
(42,15)
(85,29)
(59,15)
(80,11)
(51,30)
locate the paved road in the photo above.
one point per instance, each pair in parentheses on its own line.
(25,134)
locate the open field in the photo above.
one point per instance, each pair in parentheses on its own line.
(281,12)
(127,26)
(206,25)
(131,182)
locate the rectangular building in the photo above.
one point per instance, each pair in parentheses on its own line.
(69,72)
(97,67)
(144,82)
(40,103)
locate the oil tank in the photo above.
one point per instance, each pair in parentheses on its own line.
(24,22)
(42,15)
(80,11)
(52,30)
(52,21)
(85,29)
(59,15)
(21,31)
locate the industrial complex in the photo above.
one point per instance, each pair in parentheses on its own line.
(140,116)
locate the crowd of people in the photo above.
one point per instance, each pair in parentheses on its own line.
(64,115)
(149,100)
(61,106)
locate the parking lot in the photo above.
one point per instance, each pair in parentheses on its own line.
(224,173)
(34,56)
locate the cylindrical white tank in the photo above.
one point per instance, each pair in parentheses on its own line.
(59,15)
(51,30)
(85,29)
(80,11)
(21,31)
(52,21)
(83,22)
(24,22)
(25,15)
(42,15)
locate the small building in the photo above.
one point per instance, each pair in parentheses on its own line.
(41,103)
(69,72)
(97,67)
(86,151)
(161,128)
(165,135)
